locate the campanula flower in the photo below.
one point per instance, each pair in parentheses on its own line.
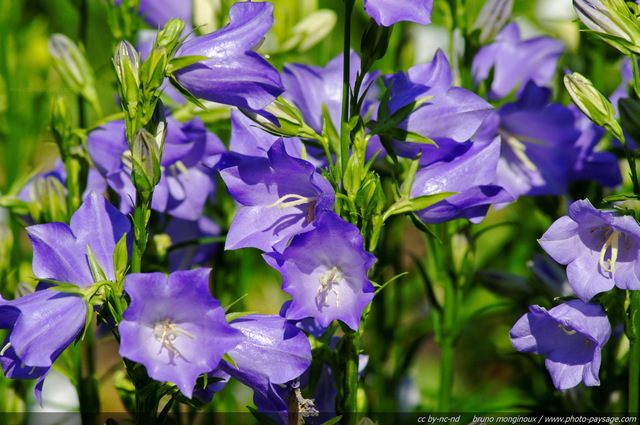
(389,12)
(600,248)
(44,323)
(470,172)
(570,335)
(325,272)
(452,113)
(235,74)
(515,62)
(174,327)
(281,197)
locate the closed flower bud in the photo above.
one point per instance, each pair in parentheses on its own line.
(593,103)
(152,72)
(61,124)
(145,157)
(492,17)
(613,21)
(72,65)
(169,36)
(127,64)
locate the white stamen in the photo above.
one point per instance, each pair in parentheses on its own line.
(5,348)
(612,241)
(166,333)
(519,149)
(571,332)
(282,203)
(328,282)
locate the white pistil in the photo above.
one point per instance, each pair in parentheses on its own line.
(328,282)
(571,332)
(284,202)
(611,242)
(5,348)
(519,149)
(167,332)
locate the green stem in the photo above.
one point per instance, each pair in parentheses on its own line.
(344,125)
(140,234)
(447,345)
(634,355)
(349,353)
(87,384)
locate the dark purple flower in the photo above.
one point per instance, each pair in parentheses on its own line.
(470,172)
(600,248)
(311,88)
(174,327)
(590,164)
(538,143)
(185,184)
(282,196)
(571,335)
(388,12)
(188,234)
(515,62)
(452,113)
(235,75)
(325,272)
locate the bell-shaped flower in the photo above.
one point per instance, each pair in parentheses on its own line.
(325,272)
(538,142)
(44,323)
(600,248)
(174,326)
(235,74)
(185,184)
(470,172)
(571,335)
(281,197)
(451,112)
(389,12)
(515,62)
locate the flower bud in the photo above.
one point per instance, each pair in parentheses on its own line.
(169,36)
(72,66)
(374,44)
(613,21)
(630,116)
(49,201)
(593,103)
(311,30)
(492,17)
(127,64)
(152,72)
(145,157)
(61,124)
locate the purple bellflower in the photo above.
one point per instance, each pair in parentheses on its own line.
(281,197)
(174,327)
(538,143)
(185,184)
(469,171)
(600,248)
(312,87)
(515,62)
(389,12)
(325,272)
(571,335)
(452,113)
(44,323)
(235,74)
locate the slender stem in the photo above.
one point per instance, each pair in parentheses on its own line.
(634,356)
(350,384)
(447,346)
(344,125)
(140,221)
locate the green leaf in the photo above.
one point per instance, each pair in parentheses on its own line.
(408,136)
(191,98)
(182,62)
(120,258)
(333,420)
(227,358)
(261,417)
(415,204)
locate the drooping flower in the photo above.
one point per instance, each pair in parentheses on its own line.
(515,62)
(571,335)
(174,327)
(389,12)
(452,113)
(235,74)
(470,171)
(281,197)
(44,323)
(325,272)
(600,248)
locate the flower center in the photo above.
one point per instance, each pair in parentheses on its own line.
(328,282)
(292,200)
(611,241)
(167,332)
